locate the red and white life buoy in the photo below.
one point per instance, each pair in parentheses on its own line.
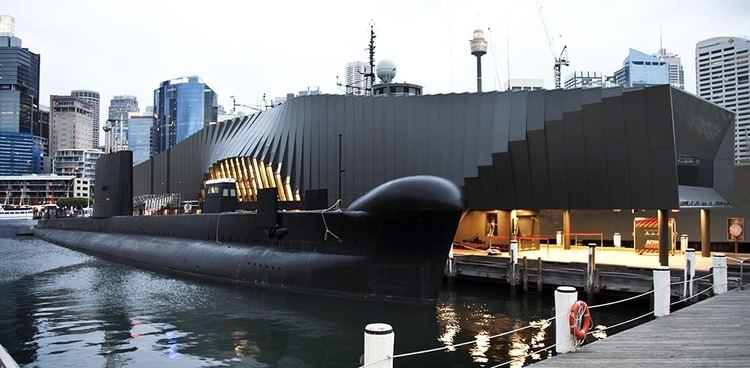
(579,320)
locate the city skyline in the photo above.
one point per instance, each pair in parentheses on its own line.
(435,44)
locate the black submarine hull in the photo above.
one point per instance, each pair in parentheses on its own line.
(385,247)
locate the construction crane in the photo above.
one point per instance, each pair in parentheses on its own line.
(560,60)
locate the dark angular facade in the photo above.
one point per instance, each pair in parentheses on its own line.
(641,148)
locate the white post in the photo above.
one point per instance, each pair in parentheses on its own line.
(558,238)
(617,239)
(661,291)
(565,297)
(513,261)
(591,269)
(684,242)
(719,265)
(379,341)
(689,274)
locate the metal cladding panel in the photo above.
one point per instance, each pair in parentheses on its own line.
(315,149)
(399,138)
(596,159)
(639,156)
(389,139)
(661,144)
(664,173)
(488,181)
(659,116)
(160,173)
(444,138)
(558,172)
(537,148)
(369,160)
(723,167)
(377,160)
(486,120)
(538,165)
(521,173)
(501,129)
(613,127)
(472,134)
(553,104)
(358,170)
(506,184)
(473,193)
(575,157)
(517,130)
(330,145)
(457,135)
(349,139)
(519,156)
(699,127)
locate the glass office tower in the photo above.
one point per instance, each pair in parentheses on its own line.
(139,137)
(182,107)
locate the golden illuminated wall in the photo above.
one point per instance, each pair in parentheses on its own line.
(251,175)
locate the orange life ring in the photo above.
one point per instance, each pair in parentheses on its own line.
(579,320)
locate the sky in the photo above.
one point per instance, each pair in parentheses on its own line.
(251,48)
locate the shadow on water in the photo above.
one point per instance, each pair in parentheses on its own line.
(65,309)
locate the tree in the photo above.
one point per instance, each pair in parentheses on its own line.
(72,202)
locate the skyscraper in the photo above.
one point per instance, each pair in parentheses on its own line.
(182,107)
(140,131)
(92,98)
(721,76)
(121,106)
(70,124)
(674,64)
(356,83)
(19,94)
(640,70)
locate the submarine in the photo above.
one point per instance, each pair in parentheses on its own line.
(390,244)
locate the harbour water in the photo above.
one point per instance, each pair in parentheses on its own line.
(62,308)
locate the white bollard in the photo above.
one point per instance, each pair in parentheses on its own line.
(513,261)
(617,239)
(661,291)
(558,238)
(684,242)
(565,297)
(719,265)
(689,274)
(379,341)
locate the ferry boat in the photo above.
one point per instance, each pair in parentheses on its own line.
(23,213)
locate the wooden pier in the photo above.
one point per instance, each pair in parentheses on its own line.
(711,333)
(616,270)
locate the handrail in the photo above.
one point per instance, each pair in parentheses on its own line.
(742,270)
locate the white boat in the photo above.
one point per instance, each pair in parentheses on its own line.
(20,214)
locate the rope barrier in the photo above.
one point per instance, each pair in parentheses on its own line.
(524,356)
(620,324)
(440,348)
(620,301)
(692,296)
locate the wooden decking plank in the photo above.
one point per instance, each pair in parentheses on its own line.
(711,333)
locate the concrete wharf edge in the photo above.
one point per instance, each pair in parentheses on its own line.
(711,333)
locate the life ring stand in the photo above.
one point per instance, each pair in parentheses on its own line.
(579,320)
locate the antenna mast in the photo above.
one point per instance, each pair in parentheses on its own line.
(371,74)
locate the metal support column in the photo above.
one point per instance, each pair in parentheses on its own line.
(566,229)
(479,73)
(705,233)
(664,244)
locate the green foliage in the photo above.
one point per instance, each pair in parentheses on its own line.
(72,202)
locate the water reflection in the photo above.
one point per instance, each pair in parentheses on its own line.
(65,309)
